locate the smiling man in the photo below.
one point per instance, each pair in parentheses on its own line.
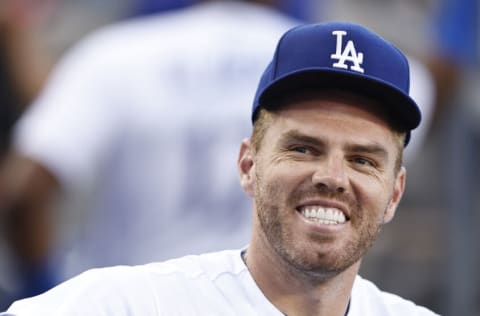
(323,166)
(324,175)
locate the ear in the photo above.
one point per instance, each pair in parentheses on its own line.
(246,167)
(398,189)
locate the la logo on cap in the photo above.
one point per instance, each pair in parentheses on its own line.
(347,53)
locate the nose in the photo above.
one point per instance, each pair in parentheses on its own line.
(330,175)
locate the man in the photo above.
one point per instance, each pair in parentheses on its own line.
(324,168)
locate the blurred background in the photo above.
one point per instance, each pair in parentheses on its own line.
(430,253)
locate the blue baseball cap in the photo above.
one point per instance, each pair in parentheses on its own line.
(344,56)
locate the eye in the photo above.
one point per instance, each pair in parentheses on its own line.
(305,150)
(362,161)
(301,149)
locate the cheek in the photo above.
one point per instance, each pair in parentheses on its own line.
(372,198)
(271,189)
(280,179)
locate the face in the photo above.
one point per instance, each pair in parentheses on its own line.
(323,182)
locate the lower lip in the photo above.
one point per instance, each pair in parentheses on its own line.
(323,228)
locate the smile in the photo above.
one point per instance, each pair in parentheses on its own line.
(323,215)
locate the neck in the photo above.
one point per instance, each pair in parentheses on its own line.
(296,292)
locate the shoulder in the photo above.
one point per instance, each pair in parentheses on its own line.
(209,266)
(367,298)
(140,290)
(165,278)
(166,274)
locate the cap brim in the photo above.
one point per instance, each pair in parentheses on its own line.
(402,108)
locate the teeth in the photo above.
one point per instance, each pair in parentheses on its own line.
(322,215)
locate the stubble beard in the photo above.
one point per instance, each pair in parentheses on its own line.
(301,260)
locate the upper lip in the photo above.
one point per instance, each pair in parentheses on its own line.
(327,204)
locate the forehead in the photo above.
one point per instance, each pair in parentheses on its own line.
(342,117)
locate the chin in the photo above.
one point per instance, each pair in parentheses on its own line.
(325,262)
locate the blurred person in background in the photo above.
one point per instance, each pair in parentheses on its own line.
(33,35)
(108,164)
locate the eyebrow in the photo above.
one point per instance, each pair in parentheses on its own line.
(373,149)
(296,136)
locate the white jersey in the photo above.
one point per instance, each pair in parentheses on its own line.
(211,284)
(142,122)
